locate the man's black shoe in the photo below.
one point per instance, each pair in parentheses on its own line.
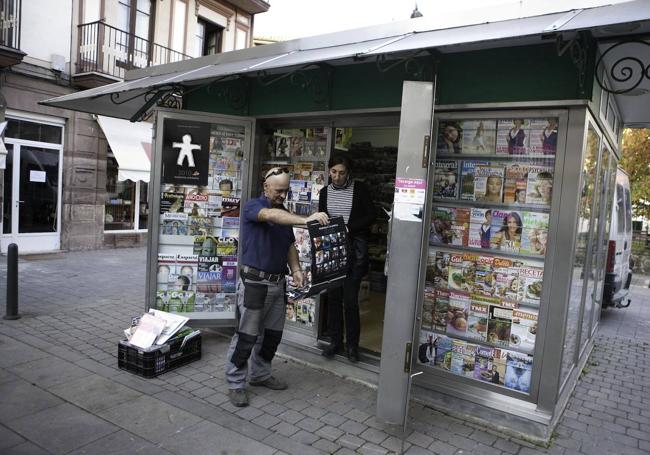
(331,350)
(353,354)
(238,397)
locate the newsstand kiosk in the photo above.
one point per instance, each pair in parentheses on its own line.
(491,151)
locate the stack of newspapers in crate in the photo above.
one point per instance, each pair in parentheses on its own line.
(156,327)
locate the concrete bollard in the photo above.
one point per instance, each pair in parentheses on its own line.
(12,283)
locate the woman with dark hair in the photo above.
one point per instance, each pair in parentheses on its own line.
(509,236)
(351,200)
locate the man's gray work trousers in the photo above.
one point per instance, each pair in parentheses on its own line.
(261,307)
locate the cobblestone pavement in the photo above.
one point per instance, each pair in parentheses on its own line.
(61,390)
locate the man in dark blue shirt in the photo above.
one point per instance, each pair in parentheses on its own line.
(266,240)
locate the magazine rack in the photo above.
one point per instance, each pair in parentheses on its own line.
(200,174)
(490,214)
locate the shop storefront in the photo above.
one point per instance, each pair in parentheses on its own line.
(490,151)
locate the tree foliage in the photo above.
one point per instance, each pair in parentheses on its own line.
(636,162)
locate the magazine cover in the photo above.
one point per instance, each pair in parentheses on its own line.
(484,279)
(441,226)
(199,225)
(530,284)
(303,244)
(518,371)
(483,364)
(516,181)
(226,246)
(427,308)
(513,137)
(427,348)
(460,226)
(457,354)
(296,146)
(172,201)
(462,272)
(467,178)
(478,136)
(440,310)
(299,191)
(535,233)
(318,181)
(178,301)
(499,323)
(282,149)
(166,269)
(458,313)
(445,179)
(208,279)
(196,203)
(449,137)
(174,223)
(305,309)
(440,276)
(506,230)
(524,330)
(230,207)
(226,185)
(543,136)
(302,170)
(539,186)
(480,228)
(488,183)
(506,274)
(463,358)
(499,360)
(478,319)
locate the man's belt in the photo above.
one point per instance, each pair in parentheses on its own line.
(257,275)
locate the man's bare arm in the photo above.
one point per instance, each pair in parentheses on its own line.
(279,216)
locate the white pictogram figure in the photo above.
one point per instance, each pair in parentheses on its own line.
(186,150)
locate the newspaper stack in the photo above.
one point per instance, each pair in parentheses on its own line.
(154,328)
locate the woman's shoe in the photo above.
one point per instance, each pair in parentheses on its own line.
(353,354)
(331,350)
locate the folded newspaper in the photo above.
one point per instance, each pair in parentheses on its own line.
(154,327)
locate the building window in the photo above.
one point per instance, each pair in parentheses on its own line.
(126,207)
(178,26)
(241,39)
(209,37)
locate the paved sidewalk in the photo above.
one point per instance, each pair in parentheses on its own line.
(61,391)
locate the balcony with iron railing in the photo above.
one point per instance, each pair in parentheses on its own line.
(10,53)
(105,53)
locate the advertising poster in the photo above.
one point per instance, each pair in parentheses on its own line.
(185,152)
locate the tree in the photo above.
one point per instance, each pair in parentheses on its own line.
(635,160)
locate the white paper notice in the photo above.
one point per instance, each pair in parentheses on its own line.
(410,190)
(37,176)
(408,212)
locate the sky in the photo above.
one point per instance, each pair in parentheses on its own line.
(288,19)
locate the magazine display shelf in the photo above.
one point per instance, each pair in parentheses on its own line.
(490,215)
(199,179)
(304,153)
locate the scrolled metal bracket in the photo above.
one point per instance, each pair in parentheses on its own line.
(236,95)
(314,78)
(412,66)
(629,70)
(577,50)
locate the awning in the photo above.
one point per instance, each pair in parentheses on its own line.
(131,145)
(128,99)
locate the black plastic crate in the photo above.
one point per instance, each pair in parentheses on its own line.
(157,360)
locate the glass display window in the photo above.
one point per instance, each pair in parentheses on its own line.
(200,198)
(492,193)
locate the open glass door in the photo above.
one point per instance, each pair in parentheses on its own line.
(405,251)
(200,175)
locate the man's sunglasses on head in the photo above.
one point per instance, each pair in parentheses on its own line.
(276,171)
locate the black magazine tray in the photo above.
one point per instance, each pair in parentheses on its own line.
(157,360)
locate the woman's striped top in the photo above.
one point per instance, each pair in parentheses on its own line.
(339,201)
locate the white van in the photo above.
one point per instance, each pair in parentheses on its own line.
(619,249)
